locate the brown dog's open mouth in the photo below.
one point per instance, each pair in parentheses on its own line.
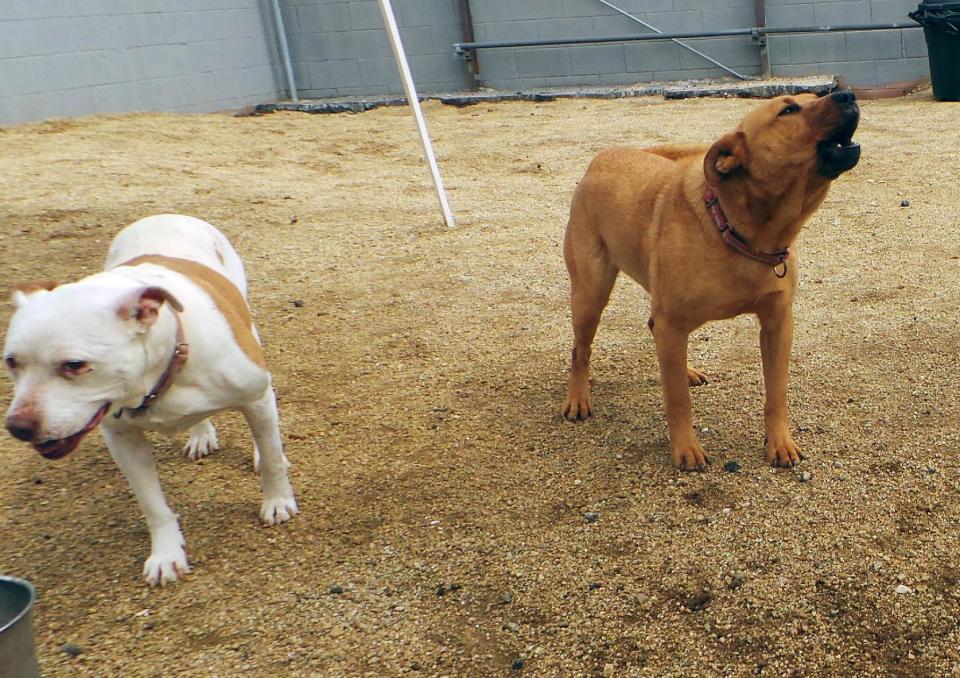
(61,447)
(839,153)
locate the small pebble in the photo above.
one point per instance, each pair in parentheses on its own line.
(506,598)
(512,626)
(298,303)
(593,586)
(517,665)
(72,650)
(591,517)
(904,203)
(416,666)
(456,586)
(806,476)
(441,590)
(608,670)
(902,589)
(336,589)
(732,466)
(737,579)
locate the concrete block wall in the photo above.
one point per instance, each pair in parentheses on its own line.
(77,57)
(340,47)
(609,63)
(865,59)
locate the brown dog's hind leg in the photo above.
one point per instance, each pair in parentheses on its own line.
(592,277)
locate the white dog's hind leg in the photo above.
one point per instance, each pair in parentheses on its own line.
(203,441)
(279,504)
(133,454)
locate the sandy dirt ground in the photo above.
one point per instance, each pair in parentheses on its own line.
(420,372)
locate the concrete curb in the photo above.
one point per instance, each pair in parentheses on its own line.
(673,90)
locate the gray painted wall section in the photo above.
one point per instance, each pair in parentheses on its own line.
(340,47)
(865,59)
(77,57)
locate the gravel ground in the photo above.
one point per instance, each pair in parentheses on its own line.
(452,523)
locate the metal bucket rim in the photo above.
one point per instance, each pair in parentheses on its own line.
(26,609)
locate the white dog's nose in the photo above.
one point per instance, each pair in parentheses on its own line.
(22,427)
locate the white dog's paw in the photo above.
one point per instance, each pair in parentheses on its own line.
(165,567)
(203,441)
(256,460)
(276,510)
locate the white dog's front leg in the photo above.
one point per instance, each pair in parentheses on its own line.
(279,504)
(133,454)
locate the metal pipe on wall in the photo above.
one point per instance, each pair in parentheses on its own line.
(461,47)
(285,51)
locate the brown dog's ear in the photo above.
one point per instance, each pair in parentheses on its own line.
(143,305)
(727,154)
(23,291)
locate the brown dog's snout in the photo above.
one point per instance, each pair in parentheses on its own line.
(843,97)
(22,427)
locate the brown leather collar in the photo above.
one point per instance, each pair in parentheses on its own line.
(736,241)
(181,351)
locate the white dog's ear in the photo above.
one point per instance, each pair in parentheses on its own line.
(143,305)
(23,291)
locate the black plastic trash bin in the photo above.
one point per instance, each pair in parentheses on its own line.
(941,28)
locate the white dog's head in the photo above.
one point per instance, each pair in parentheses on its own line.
(72,351)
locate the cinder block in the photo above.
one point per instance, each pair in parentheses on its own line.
(428,12)
(687,74)
(783,16)
(625,78)
(378,72)
(365,15)
(442,38)
(862,73)
(676,22)
(729,17)
(778,49)
(113,98)
(914,43)
(515,84)
(416,40)
(436,68)
(652,56)
(333,74)
(513,30)
(897,70)
(641,7)
(167,60)
(597,59)
(578,8)
(840,13)
(498,64)
(811,48)
(543,62)
(565,28)
(521,10)
(490,11)
(19,39)
(616,24)
(357,44)
(892,11)
(732,52)
(573,81)
(873,45)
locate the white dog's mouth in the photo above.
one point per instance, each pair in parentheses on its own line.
(61,447)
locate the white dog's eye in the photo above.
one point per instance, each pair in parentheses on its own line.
(11,362)
(73,368)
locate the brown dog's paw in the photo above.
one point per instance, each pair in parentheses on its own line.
(695,377)
(782,451)
(577,408)
(689,456)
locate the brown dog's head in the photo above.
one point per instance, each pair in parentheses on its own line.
(787,137)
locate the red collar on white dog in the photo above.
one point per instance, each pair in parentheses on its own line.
(736,241)
(181,351)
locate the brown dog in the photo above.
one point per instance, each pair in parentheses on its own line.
(706,231)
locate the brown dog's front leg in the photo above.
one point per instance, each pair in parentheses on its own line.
(685,450)
(776,338)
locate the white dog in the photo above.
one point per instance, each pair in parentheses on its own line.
(161,340)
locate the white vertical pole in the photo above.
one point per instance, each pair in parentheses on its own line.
(388,18)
